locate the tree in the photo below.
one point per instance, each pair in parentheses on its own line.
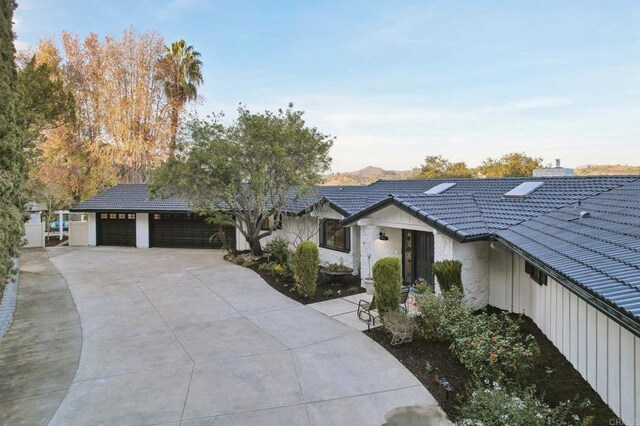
(514,164)
(182,74)
(247,170)
(436,166)
(13,147)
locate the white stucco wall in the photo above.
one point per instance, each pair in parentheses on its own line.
(296,229)
(474,256)
(606,354)
(93,229)
(142,230)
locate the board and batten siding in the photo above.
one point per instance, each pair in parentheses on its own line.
(606,354)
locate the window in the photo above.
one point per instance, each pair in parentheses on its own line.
(112,216)
(104,216)
(131,215)
(271,223)
(536,274)
(121,215)
(156,216)
(333,236)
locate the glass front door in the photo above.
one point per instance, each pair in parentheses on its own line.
(417,256)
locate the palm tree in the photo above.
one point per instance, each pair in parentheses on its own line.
(181,71)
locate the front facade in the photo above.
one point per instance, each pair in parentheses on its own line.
(564,251)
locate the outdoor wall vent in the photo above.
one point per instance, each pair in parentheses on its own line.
(440,188)
(524,189)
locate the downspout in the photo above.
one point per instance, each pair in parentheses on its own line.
(513,264)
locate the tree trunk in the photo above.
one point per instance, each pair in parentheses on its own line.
(175,115)
(255,247)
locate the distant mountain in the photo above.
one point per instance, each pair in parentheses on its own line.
(365,176)
(607,169)
(371,174)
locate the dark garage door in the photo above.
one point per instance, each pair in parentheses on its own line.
(116,229)
(183,230)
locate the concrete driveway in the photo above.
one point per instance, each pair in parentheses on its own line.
(175,336)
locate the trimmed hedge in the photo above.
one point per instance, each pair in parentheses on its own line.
(387,284)
(449,274)
(306,262)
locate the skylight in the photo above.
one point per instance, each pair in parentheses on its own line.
(524,189)
(440,188)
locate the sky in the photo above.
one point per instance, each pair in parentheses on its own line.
(395,81)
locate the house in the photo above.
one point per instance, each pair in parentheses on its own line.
(564,251)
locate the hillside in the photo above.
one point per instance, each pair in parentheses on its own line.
(607,169)
(365,176)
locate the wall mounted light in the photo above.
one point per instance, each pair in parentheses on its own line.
(383,236)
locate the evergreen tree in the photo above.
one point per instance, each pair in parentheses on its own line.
(13,161)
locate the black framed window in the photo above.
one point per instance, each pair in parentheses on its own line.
(333,236)
(535,273)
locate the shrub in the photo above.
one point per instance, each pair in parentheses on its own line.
(439,313)
(492,347)
(279,250)
(387,284)
(449,274)
(495,406)
(305,268)
(276,269)
(400,326)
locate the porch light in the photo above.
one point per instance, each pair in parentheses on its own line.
(383,236)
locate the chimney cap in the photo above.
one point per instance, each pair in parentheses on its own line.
(557,162)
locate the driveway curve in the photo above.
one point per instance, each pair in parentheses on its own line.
(177,336)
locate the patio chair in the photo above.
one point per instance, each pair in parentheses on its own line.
(364,312)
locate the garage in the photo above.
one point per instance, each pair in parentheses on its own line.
(116,229)
(183,230)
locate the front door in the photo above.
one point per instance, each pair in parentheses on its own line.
(417,256)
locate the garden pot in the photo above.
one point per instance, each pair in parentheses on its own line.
(368,285)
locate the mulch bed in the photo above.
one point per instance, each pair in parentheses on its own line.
(54,241)
(554,377)
(349,285)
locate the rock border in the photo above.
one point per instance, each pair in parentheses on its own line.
(9,299)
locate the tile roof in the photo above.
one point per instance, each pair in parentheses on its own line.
(130,197)
(486,196)
(600,251)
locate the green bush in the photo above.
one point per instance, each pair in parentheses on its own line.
(439,313)
(276,269)
(387,284)
(449,274)
(305,268)
(494,406)
(279,250)
(489,346)
(492,347)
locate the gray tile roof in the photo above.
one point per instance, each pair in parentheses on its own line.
(130,198)
(600,252)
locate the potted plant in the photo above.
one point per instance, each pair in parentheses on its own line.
(368,280)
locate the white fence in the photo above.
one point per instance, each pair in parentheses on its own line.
(604,353)
(78,233)
(34,234)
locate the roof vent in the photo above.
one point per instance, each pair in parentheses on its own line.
(440,188)
(524,189)
(584,214)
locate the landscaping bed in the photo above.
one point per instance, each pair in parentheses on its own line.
(554,377)
(326,288)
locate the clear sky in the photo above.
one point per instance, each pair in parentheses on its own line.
(395,81)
